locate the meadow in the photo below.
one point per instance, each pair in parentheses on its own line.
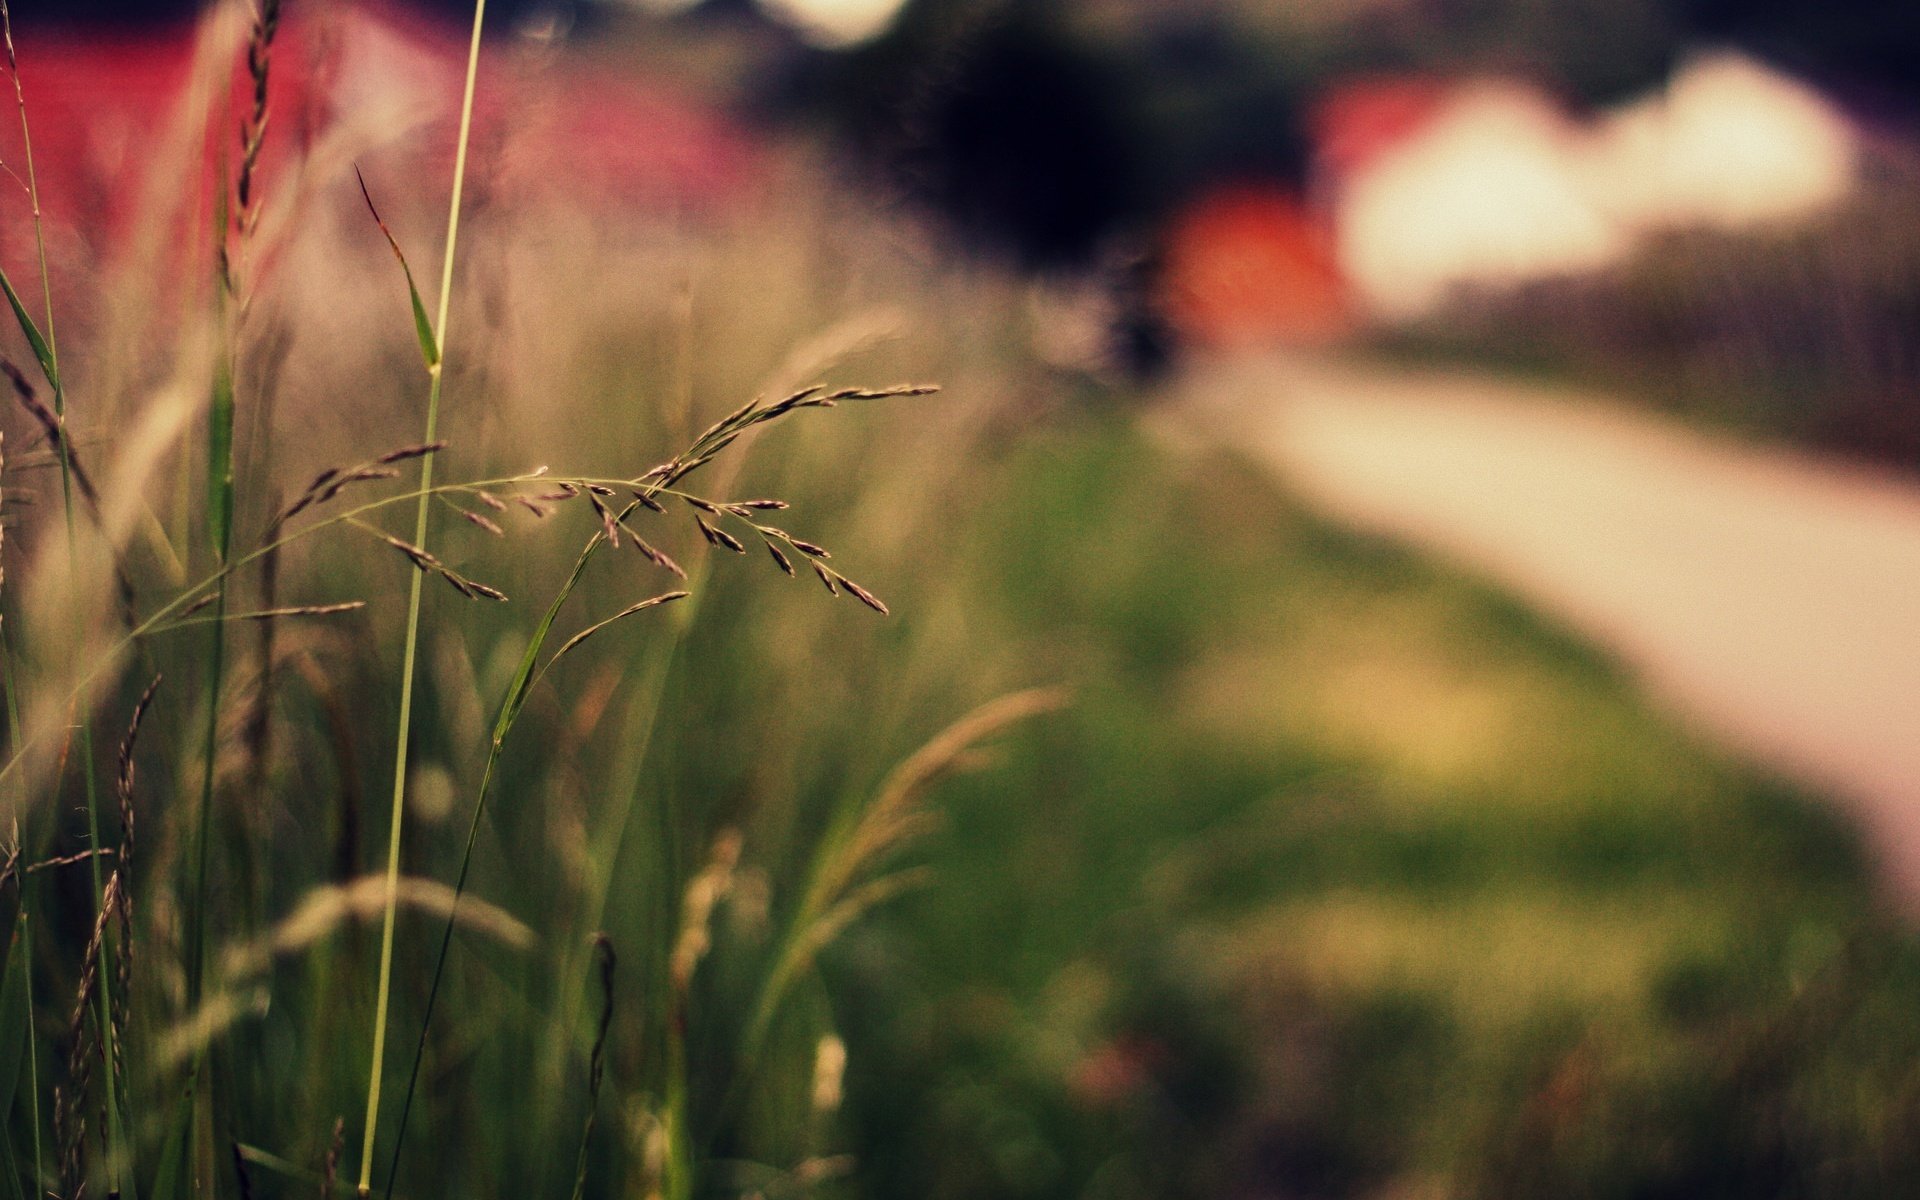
(741,769)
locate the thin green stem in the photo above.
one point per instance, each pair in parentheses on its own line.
(16,808)
(409,653)
(33,1051)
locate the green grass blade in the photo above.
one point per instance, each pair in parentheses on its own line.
(422,327)
(42,350)
(15,1018)
(430,347)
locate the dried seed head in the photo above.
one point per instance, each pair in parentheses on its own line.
(719,537)
(485,523)
(864,596)
(655,556)
(808,548)
(491,501)
(826,577)
(646,499)
(199,604)
(889,393)
(597,626)
(420,558)
(702,505)
(304,610)
(324,478)
(608,524)
(785,563)
(404,453)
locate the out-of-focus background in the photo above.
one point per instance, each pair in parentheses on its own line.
(1461,458)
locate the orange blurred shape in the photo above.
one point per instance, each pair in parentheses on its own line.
(1248,266)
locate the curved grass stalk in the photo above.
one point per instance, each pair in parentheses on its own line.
(436,370)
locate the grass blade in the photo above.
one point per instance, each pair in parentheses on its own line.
(42,350)
(431,348)
(422,328)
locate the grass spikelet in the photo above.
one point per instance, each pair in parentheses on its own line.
(609,525)
(300,610)
(122,881)
(596,627)
(834,898)
(404,453)
(704,893)
(652,553)
(199,605)
(85,1047)
(332,481)
(864,596)
(718,537)
(55,427)
(897,392)
(780,558)
(427,563)
(253,128)
(418,557)
(484,522)
(327,908)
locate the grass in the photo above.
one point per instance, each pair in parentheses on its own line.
(1342,856)
(1336,873)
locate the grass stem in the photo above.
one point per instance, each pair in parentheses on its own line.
(409,654)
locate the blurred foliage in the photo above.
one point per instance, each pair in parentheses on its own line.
(1348,873)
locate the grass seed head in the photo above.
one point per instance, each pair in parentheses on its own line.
(784,562)
(484,522)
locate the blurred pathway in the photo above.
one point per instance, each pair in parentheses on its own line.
(1773,599)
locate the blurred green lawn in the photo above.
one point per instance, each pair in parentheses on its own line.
(1344,874)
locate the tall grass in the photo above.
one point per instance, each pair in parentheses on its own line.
(433,345)
(228,979)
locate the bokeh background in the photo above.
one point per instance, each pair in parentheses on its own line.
(1456,456)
